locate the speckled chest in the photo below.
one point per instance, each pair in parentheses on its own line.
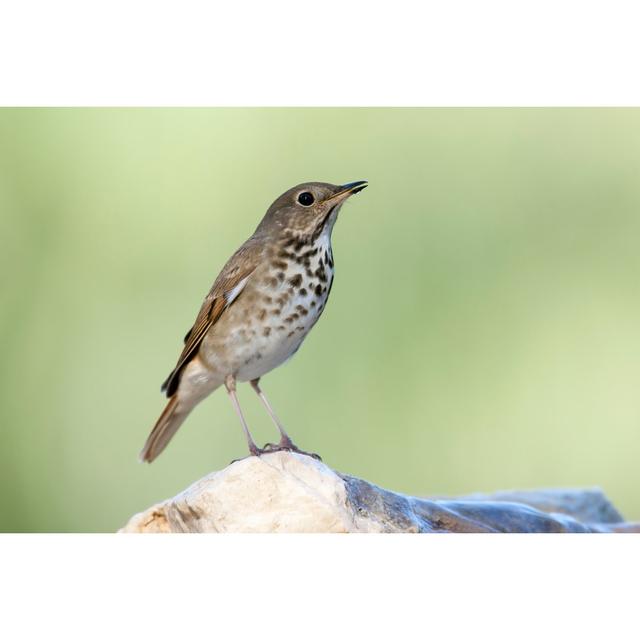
(280,305)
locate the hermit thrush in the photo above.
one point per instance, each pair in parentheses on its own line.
(261,307)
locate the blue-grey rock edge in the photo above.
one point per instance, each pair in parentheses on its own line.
(536,511)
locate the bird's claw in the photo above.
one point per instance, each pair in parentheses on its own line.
(270,447)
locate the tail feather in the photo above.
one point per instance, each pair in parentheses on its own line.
(166,426)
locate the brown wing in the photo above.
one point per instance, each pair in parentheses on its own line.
(223,292)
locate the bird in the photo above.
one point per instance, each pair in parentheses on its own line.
(263,304)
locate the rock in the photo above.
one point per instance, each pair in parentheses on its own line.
(289,492)
(586,505)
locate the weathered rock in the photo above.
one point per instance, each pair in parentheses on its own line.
(288,492)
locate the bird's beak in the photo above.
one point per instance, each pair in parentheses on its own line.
(347,190)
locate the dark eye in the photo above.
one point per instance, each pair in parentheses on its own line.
(306,199)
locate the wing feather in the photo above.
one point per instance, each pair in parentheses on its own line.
(225,290)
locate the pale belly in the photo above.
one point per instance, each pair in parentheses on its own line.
(267,324)
(264,353)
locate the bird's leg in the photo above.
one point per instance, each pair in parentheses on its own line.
(285,440)
(230,384)
(286,443)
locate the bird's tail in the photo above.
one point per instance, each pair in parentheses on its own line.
(172,417)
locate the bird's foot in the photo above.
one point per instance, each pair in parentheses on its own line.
(284,445)
(253,451)
(287,445)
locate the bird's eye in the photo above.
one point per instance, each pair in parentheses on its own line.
(306,199)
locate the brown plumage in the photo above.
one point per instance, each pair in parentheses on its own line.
(240,265)
(240,333)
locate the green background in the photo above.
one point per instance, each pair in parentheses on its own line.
(483,329)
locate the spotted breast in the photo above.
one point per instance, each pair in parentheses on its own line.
(279,305)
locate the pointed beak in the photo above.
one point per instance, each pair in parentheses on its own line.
(347,190)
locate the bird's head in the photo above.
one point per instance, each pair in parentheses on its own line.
(308,209)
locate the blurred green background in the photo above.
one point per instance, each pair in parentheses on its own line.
(483,329)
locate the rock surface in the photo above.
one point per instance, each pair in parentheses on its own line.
(289,492)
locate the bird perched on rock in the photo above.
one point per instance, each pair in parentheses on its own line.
(261,307)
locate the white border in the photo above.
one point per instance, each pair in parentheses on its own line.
(329,52)
(315,586)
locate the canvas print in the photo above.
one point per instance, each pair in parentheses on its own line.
(319,320)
